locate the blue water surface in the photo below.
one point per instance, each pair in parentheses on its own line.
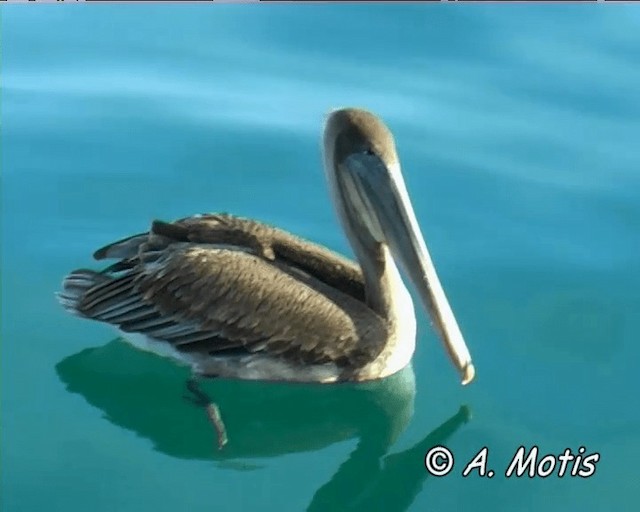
(517,128)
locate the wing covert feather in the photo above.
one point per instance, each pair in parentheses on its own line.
(243,298)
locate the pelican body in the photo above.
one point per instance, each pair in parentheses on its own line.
(237,298)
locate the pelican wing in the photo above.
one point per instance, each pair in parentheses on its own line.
(231,292)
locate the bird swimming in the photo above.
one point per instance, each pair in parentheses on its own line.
(236,298)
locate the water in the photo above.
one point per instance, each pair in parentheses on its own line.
(517,127)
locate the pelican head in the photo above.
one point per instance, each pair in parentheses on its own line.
(364,174)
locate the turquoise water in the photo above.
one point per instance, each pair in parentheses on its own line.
(517,127)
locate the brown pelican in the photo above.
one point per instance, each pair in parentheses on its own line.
(237,298)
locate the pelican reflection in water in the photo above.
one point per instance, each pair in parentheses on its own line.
(236,298)
(281,420)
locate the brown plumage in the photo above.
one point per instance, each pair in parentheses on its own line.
(218,284)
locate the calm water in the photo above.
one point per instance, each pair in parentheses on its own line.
(518,130)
